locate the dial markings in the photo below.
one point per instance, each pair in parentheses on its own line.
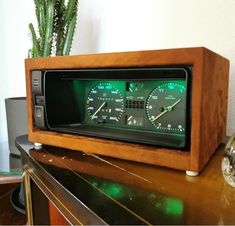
(105,103)
(166,106)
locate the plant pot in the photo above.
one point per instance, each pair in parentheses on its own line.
(16,114)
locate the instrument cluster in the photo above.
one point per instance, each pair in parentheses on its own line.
(146,104)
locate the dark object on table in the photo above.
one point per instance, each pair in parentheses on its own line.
(17,199)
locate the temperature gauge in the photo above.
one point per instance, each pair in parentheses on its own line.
(134,86)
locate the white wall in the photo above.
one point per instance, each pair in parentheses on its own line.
(14,44)
(122,25)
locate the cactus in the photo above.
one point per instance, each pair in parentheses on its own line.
(56,25)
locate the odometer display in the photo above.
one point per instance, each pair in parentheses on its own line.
(105,103)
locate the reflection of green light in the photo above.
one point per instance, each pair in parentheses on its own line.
(114,190)
(78,86)
(169,206)
(173,206)
(158,205)
(111,189)
(95,184)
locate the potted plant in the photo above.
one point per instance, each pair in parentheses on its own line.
(56,20)
(56,25)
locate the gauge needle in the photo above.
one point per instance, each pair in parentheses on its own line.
(92,117)
(166,109)
(130,118)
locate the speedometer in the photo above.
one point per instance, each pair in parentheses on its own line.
(105,103)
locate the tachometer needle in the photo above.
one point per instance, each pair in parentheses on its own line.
(166,109)
(92,117)
(173,105)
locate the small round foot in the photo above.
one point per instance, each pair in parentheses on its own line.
(37,146)
(191,173)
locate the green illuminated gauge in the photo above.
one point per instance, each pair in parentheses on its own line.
(134,86)
(134,121)
(105,103)
(166,107)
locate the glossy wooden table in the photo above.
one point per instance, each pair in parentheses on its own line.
(89,189)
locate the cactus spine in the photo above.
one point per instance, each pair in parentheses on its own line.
(56,26)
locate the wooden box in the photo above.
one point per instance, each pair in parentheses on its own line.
(209,94)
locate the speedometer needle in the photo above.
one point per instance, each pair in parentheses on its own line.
(166,109)
(92,117)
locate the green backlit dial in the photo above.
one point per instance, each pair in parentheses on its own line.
(105,103)
(166,107)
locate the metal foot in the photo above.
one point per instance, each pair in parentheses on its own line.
(37,146)
(191,173)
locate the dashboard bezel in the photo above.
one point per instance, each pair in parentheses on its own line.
(52,91)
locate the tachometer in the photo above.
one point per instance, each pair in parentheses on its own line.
(166,107)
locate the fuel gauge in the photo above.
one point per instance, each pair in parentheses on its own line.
(134,121)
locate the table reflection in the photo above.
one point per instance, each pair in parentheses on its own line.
(107,188)
(124,192)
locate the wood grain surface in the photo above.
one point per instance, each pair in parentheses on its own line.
(206,199)
(208,105)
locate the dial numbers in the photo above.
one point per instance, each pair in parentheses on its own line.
(105,103)
(166,107)
(162,109)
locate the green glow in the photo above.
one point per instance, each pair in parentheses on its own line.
(114,190)
(77,85)
(78,89)
(95,184)
(132,85)
(171,87)
(109,86)
(173,206)
(158,205)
